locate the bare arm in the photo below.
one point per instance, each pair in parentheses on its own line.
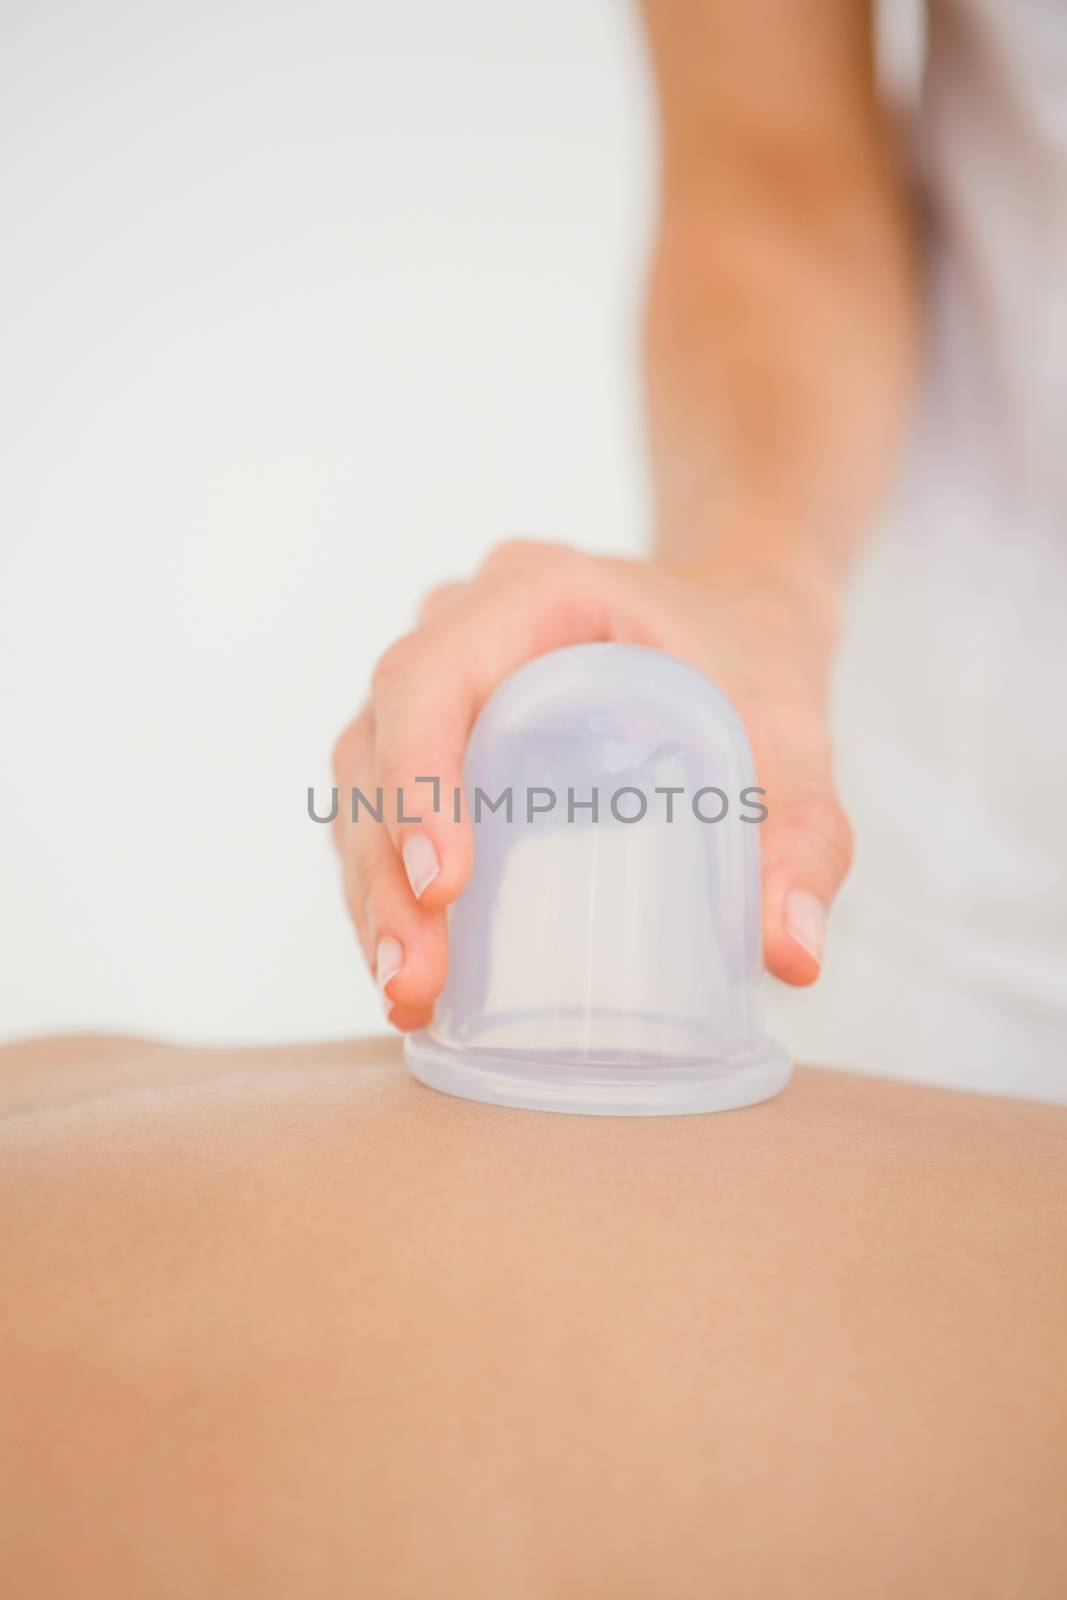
(782,310)
(780,338)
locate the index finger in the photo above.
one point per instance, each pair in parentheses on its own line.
(429,687)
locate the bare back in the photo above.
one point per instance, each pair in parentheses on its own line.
(282,1322)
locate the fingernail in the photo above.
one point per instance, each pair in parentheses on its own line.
(805,918)
(420,862)
(389,958)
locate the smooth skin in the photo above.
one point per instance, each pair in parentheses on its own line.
(780,339)
(283,1323)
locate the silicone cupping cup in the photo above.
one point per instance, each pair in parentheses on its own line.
(606,955)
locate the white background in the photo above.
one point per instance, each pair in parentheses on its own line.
(303,306)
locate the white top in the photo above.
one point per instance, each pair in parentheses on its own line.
(948,952)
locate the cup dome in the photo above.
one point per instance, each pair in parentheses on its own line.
(606,955)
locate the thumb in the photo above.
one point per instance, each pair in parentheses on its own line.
(807,851)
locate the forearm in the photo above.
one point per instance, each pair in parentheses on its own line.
(781,326)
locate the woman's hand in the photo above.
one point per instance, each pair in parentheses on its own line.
(765,636)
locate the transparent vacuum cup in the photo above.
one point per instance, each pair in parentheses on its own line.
(606,955)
